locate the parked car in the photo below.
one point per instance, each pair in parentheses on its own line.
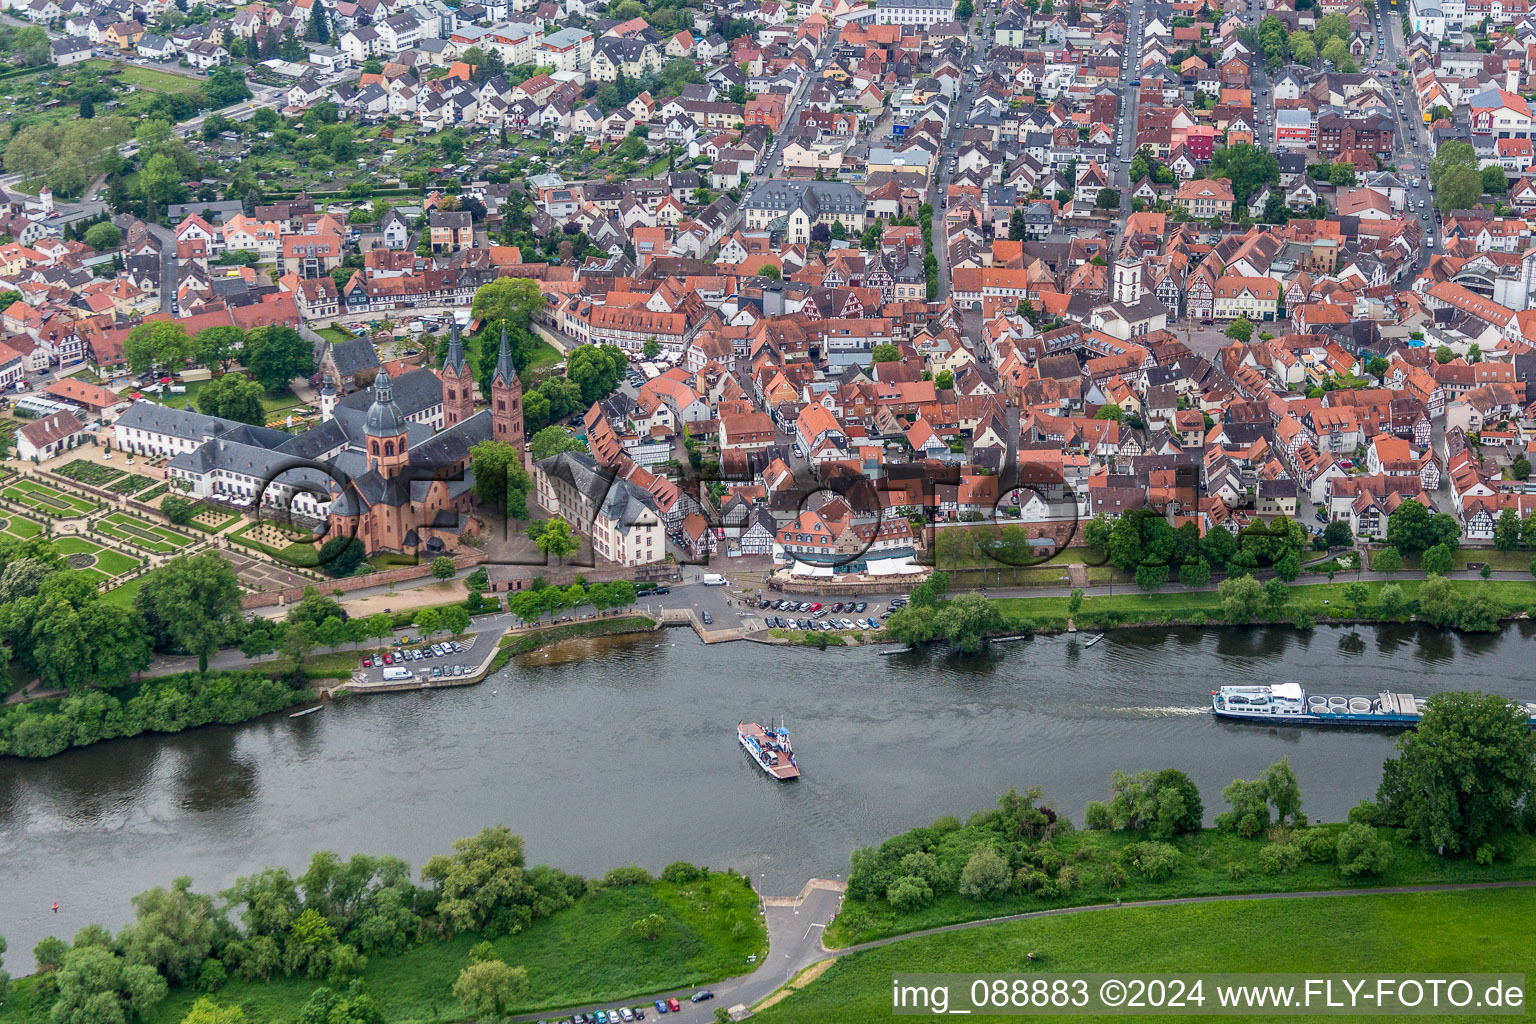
(674,1005)
(662,590)
(700,996)
(367,663)
(661,1006)
(708,619)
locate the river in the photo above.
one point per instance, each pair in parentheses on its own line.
(621,751)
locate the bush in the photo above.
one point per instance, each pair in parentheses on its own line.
(909,892)
(630,875)
(1237,871)
(1361,852)
(1114,875)
(1155,861)
(1316,844)
(1280,858)
(679,871)
(985,876)
(1366,812)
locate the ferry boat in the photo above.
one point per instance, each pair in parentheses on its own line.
(1289,704)
(769,748)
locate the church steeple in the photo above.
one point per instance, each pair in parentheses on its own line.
(455,360)
(458,384)
(506,397)
(506,372)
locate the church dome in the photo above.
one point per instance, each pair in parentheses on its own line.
(384,416)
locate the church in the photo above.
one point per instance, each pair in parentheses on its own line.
(397,451)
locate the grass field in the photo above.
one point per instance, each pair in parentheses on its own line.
(148,78)
(49,500)
(1174,602)
(108,562)
(587,953)
(19,527)
(1479,931)
(335,334)
(272,402)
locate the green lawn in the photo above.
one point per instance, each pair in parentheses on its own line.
(1478,931)
(109,562)
(123,595)
(335,334)
(1321,600)
(146,535)
(155,81)
(587,953)
(18,527)
(272,402)
(49,500)
(544,355)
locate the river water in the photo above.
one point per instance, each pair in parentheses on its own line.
(622,751)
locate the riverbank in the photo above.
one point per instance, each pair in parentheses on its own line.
(514,644)
(167,704)
(1305,606)
(1476,930)
(1085,867)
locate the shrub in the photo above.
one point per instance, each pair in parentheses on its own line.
(909,893)
(1316,844)
(1237,870)
(1096,816)
(631,875)
(679,871)
(1155,861)
(1366,812)
(1280,858)
(921,865)
(1361,852)
(985,875)
(1114,875)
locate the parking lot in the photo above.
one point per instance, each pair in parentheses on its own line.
(818,616)
(440,659)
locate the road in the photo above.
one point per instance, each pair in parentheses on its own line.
(960,112)
(1412,134)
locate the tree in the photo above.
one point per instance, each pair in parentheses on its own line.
(649,927)
(885,352)
(1018,227)
(1249,168)
(1241,598)
(985,875)
(1360,851)
(191,603)
(1110,412)
(1240,330)
(341,556)
(1276,593)
(1196,573)
(157,343)
(225,87)
(429,621)
(1437,560)
(488,987)
(218,347)
(553,440)
(1074,602)
(500,478)
(1438,601)
(105,235)
(1506,531)
(651,349)
(174,930)
(554,537)
(96,986)
(1408,528)
(1463,777)
(379,626)
(1387,560)
(234,397)
(456,619)
(1459,188)
(482,886)
(513,299)
(1358,595)
(1391,602)
(1337,534)
(443,568)
(593,371)
(1451,154)
(1341,175)
(277,354)
(177,509)
(1107,199)
(1493,180)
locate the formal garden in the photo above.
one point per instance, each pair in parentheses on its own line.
(141,533)
(212,518)
(46,499)
(131,484)
(86,472)
(100,562)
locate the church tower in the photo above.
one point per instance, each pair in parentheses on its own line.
(458,384)
(506,398)
(388,451)
(1127,289)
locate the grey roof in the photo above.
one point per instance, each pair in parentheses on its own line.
(182,423)
(618,500)
(506,371)
(384,417)
(354,356)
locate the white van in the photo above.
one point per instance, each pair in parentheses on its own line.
(714,579)
(396,672)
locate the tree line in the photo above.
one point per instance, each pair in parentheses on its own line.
(1460,786)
